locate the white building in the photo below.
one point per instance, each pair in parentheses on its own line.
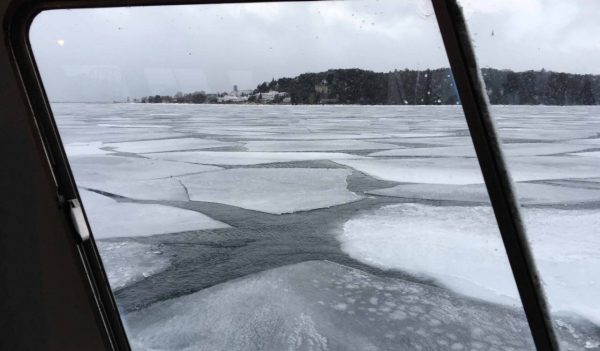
(271,95)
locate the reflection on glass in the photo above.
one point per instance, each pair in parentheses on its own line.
(550,124)
(280,176)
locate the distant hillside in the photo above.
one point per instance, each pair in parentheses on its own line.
(431,87)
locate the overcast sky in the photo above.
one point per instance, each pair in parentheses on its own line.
(110,54)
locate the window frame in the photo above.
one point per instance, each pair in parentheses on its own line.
(17,18)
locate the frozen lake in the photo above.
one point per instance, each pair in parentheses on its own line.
(260,227)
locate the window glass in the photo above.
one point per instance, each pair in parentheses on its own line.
(540,67)
(281,176)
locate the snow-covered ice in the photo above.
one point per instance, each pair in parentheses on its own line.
(320,305)
(161,145)
(134,177)
(319,136)
(545,133)
(424,170)
(516,149)
(316,145)
(272,190)
(459,170)
(109,218)
(126,262)
(241,158)
(588,154)
(435,140)
(102,168)
(527,193)
(461,248)
(171,152)
(85,149)
(144,189)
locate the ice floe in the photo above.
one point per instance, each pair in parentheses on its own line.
(134,177)
(145,189)
(109,218)
(320,305)
(102,168)
(516,149)
(458,170)
(126,262)
(272,190)
(247,158)
(161,145)
(85,149)
(424,170)
(528,193)
(588,154)
(317,145)
(461,248)
(319,136)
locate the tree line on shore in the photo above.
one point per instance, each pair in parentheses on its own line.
(414,87)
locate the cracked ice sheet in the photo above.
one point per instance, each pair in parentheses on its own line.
(167,189)
(544,133)
(592,142)
(102,168)
(247,158)
(456,170)
(132,177)
(127,262)
(320,305)
(85,149)
(109,218)
(461,248)
(517,149)
(272,190)
(319,136)
(588,154)
(528,193)
(317,145)
(146,146)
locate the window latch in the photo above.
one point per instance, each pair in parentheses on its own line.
(78,219)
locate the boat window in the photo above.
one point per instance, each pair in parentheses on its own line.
(281,176)
(539,64)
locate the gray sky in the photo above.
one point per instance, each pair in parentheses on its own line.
(109,54)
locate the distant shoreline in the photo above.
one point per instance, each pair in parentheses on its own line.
(406,87)
(315,105)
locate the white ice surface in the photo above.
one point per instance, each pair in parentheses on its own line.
(584,183)
(162,145)
(528,193)
(126,262)
(85,149)
(588,154)
(272,190)
(114,134)
(434,140)
(103,168)
(316,145)
(461,248)
(458,170)
(319,136)
(109,218)
(545,132)
(516,149)
(425,170)
(247,158)
(145,189)
(592,142)
(320,305)
(134,177)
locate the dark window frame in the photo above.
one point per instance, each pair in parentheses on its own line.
(17,18)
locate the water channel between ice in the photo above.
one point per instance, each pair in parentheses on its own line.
(333,227)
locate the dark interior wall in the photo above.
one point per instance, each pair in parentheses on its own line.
(45,299)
